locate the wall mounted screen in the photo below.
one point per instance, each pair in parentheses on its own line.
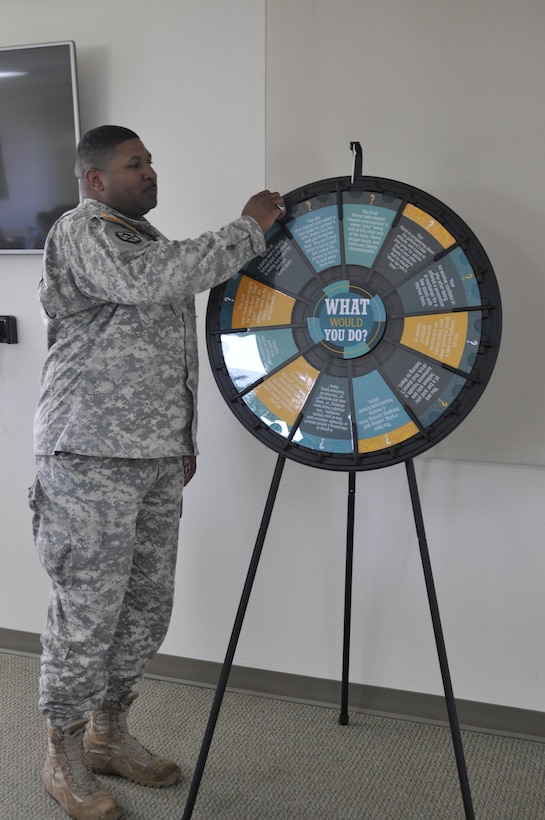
(39,129)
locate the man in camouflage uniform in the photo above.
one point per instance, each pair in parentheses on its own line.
(115,444)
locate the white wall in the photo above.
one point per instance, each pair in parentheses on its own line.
(448,97)
(190,79)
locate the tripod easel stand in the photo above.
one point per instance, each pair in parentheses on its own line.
(343,718)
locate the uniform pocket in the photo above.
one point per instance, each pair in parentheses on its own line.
(34,495)
(53,542)
(55,553)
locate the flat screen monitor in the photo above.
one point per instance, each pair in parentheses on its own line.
(39,129)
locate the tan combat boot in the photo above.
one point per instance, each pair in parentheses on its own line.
(69,781)
(109,748)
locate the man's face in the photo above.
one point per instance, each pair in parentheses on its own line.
(127,182)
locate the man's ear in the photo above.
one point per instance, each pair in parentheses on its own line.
(93,178)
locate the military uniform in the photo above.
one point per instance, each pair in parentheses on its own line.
(115,417)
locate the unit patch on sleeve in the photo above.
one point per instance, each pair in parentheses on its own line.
(128,236)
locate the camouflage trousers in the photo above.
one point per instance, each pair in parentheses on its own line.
(106,532)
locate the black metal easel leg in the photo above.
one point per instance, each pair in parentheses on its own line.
(343,717)
(235,634)
(439,640)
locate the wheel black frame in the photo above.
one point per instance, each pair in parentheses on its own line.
(414,223)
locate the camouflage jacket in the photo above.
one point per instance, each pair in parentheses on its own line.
(120,378)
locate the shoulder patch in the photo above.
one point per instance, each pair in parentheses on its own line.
(128,236)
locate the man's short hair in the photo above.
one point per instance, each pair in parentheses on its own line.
(96,147)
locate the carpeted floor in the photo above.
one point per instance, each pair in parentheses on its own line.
(275,760)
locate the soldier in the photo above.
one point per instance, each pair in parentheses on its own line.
(115,444)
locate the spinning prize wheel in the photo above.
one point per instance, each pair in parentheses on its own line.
(362,337)
(367,331)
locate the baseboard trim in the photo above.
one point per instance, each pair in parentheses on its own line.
(396,703)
